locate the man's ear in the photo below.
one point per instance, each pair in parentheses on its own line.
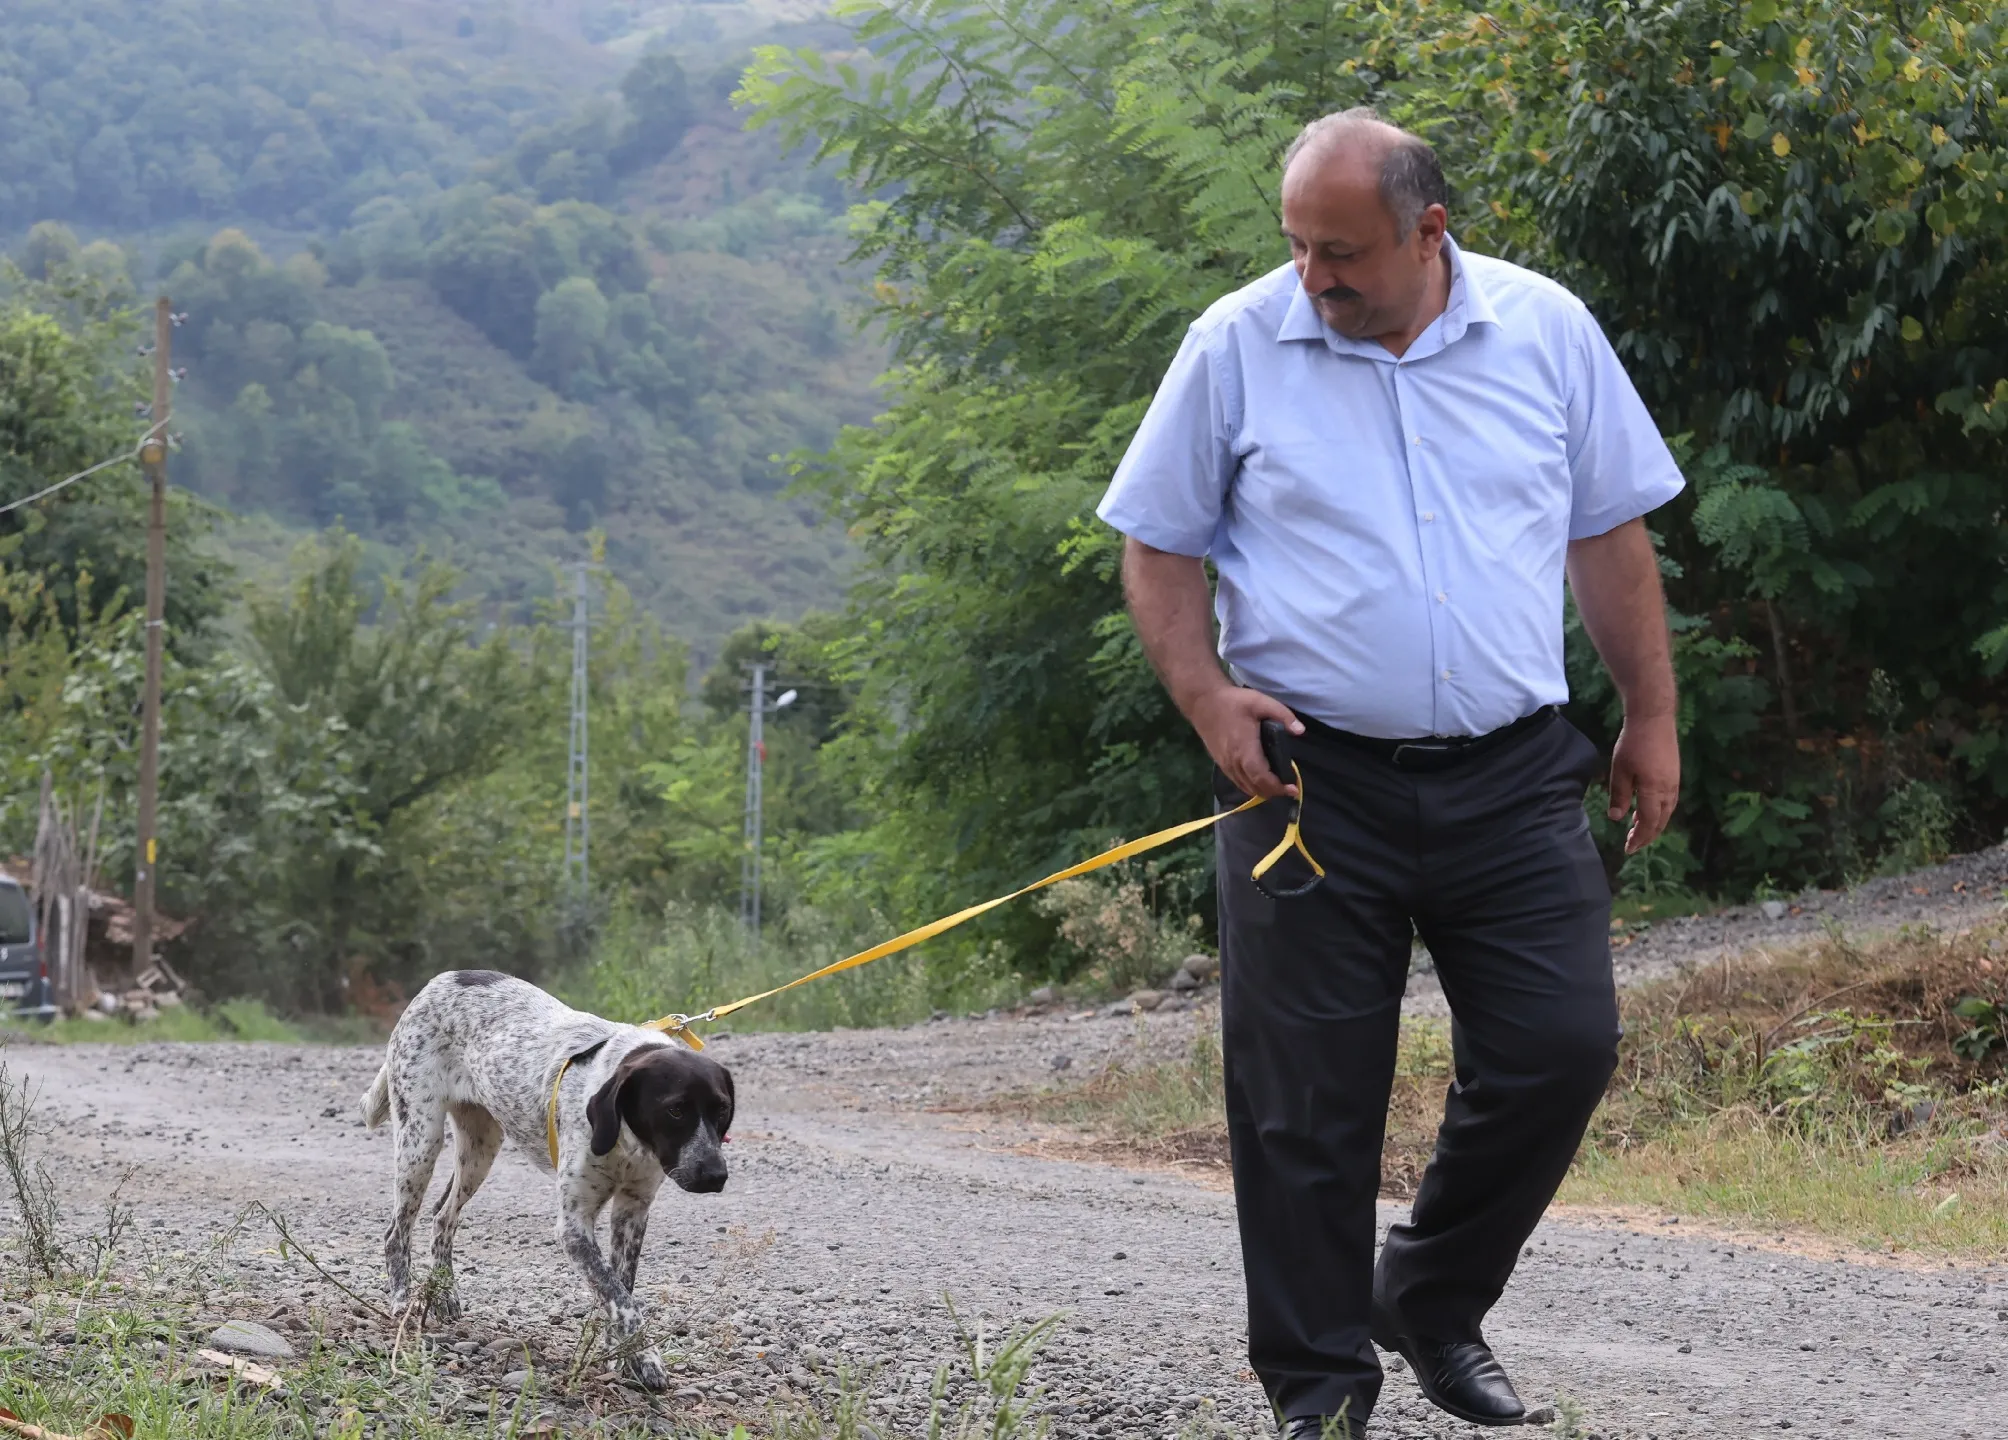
(603,1111)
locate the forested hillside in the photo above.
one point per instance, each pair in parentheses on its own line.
(528,280)
(474,277)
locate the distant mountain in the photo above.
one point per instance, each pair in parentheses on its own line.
(477,277)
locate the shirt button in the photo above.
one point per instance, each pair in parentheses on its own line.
(1442,596)
(1415,439)
(1427,516)
(1446,674)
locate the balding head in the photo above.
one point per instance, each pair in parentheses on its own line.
(1364,212)
(1407,173)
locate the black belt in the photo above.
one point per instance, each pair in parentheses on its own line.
(1428,752)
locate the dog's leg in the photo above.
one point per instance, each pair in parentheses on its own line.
(628,1224)
(476,1139)
(578,1208)
(420,1126)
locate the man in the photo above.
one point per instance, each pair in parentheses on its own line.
(1392,451)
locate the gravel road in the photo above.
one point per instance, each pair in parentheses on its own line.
(854,1206)
(862,1194)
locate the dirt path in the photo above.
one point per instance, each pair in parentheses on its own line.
(854,1206)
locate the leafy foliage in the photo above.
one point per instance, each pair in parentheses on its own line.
(1785,214)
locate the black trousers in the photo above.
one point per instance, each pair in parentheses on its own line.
(1493,863)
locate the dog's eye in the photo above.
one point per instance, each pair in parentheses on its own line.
(676,1112)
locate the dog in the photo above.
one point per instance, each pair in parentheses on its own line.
(633,1107)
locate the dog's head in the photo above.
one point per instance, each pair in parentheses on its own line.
(678,1104)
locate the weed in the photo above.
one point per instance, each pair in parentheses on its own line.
(1985,1036)
(34,1192)
(1568,1419)
(1919,819)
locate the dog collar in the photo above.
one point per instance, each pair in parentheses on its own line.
(551,1110)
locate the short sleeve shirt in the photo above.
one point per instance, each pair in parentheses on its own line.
(1390,533)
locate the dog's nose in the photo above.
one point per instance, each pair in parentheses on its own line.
(709,1180)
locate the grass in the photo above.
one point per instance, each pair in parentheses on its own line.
(228,1020)
(1854,1092)
(1894,1197)
(694,957)
(101,1359)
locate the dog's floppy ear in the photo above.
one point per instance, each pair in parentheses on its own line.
(603,1111)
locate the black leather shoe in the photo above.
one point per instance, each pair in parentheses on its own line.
(1461,1376)
(1322,1427)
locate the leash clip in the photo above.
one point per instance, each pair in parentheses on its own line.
(679,1026)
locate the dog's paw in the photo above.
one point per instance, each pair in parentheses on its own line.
(649,1372)
(445,1307)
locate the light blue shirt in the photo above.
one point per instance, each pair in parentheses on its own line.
(1390,534)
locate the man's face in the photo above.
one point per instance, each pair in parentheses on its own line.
(1363,279)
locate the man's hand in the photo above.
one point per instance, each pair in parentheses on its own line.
(1615,577)
(1171,605)
(1229,721)
(1645,765)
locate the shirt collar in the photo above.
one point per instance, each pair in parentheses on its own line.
(1467,305)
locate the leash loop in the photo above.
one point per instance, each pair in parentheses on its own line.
(1293,839)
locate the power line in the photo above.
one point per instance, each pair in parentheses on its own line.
(128,457)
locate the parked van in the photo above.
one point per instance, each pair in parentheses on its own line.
(24,973)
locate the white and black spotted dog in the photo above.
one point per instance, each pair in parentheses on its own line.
(634,1107)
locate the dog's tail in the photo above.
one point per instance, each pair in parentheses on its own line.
(376,1104)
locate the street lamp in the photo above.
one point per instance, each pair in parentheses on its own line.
(756,758)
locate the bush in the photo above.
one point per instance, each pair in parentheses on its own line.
(1115,931)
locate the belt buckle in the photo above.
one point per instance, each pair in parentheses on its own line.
(1423,748)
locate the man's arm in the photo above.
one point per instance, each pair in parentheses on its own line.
(1615,578)
(1173,612)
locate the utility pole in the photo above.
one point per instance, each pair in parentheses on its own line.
(153,456)
(578,830)
(756,763)
(756,758)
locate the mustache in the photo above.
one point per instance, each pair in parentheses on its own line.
(1338,294)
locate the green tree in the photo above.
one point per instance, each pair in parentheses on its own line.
(659,110)
(571,325)
(1063,193)
(424,704)
(1789,218)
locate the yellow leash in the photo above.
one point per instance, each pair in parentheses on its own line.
(679,1025)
